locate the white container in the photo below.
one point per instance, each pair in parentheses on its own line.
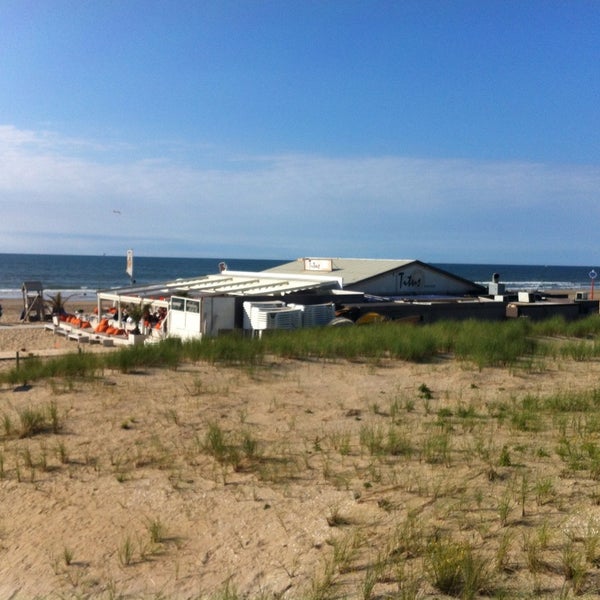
(252,312)
(316,315)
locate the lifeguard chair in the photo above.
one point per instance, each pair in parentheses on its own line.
(34,308)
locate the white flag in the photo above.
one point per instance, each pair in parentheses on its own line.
(129,269)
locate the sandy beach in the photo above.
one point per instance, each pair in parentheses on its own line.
(296,479)
(28,337)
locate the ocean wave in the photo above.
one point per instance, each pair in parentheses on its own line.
(540,285)
(69,294)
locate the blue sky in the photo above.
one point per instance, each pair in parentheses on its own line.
(447,131)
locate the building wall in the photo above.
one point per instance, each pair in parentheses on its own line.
(545,310)
(413,280)
(195,317)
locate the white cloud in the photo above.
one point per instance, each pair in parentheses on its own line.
(60,194)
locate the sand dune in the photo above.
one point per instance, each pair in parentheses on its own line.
(292,480)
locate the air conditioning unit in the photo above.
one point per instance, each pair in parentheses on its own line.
(259,316)
(252,309)
(581,296)
(316,315)
(280,318)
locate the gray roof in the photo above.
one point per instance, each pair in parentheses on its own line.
(352,270)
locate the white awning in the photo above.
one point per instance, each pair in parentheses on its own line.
(230,283)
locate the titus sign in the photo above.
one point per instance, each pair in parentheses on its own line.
(318,264)
(411,281)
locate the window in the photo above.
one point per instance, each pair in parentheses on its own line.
(192,306)
(177,304)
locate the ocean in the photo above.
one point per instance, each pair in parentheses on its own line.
(79,277)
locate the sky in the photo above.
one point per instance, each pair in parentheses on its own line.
(439,130)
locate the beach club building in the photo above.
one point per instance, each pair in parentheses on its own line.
(307,292)
(304,293)
(211,304)
(387,278)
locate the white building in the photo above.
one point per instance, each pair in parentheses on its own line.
(209,304)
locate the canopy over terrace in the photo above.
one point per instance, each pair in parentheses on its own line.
(229,283)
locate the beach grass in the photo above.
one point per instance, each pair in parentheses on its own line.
(465,491)
(485,344)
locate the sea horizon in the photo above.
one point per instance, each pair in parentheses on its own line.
(82,275)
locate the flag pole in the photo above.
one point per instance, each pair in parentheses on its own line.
(593,276)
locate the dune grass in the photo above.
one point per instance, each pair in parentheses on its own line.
(485,344)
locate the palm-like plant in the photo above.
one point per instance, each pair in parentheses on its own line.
(137,312)
(57,303)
